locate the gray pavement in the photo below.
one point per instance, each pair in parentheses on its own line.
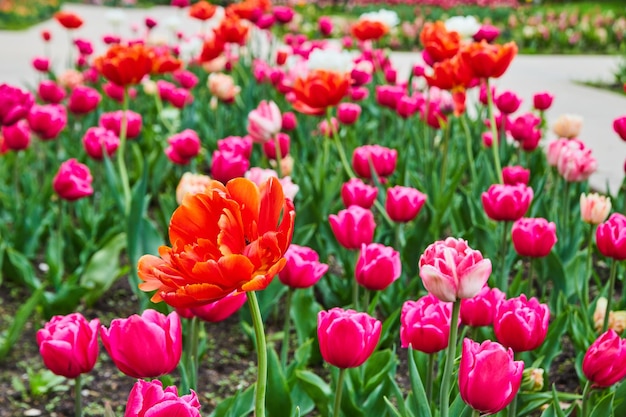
(560,75)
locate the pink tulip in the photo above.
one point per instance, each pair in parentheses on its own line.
(359,93)
(180,3)
(227,165)
(288,121)
(180,97)
(303,268)
(603,363)
(619,126)
(218,310)
(481,309)
(525,130)
(361,73)
(69,344)
(450,270)
(353,227)
(425,324)
(611,237)
(486,32)
(507,202)
(521,324)
(377,267)
(84,46)
(236,144)
(284,142)
(507,102)
(383,159)
(83,100)
(407,106)
(98,140)
(488,368)
(325,25)
(264,122)
(50,92)
(594,208)
(482,94)
(356,192)
(113,121)
(72,181)
(432,114)
(403,204)
(186,79)
(47,120)
(542,101)
(576,163)
(388,95)
(126,339)
(183,147)
(283,14)
(41,63)
(348,113)
(554,150)
(165,89)
(338,329)
(150,399)
(16,136)
(513,175)
(533,237)
(113,91)
(328,130)
(15,104)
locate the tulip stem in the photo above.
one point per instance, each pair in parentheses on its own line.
(468,146)
(585,294)
(512,411)
(120,154)
(78,399)
(339,389)
(503,283)
(193,352)
(586,392)
(475,413)
(429,378)
(284,349)
(564,218)
(261,348)
(444,155)
(531,284)
(444,401)
(355,294)
(609,297)
(494,133)
(279,157)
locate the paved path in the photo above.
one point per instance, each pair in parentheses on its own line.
(559,75)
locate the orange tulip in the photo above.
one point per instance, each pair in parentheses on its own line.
(248,9)
(488,60)
(232,30)
(226,239)
(68,20)
(202,10)
(450,74)
(125,64)
(365,30)
(319,90)
(163,62)
(438,42)
(212,48)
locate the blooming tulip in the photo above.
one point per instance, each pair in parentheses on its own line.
(513,175)
(69,344)
(289,121)
(180,97)
(41,63)
(283,14)
(16,136)
(150,399)
(348,113)
(319,90)
(83,100)
(191,184)
(50,92)
(383,160)
(542,101)
(325,25)
(594,208)
(223,87)
(185,79)
(576,163)
(338,328)
(403,204)
(507,202)
(237,144)
(603,363)
(264,122)
(353,227)
(488,368)
(98,140)
(113,121)
(47,120)
(439,43)
(450,270)
(126,339)
(216,311)
(377,266)
(183,147)
(525,129)
(388,95)
(303,268)
(507,102)
(611,237)
(567,126)
(487,60)
(356,192)
(481,309)
(72,181)
(521,324)
(284,142)
(425,324)
(226,165)
(486,32)
(533,237)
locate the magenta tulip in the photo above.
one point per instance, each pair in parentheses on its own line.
(83,100)
(525,129)
(150,399)
(450,270)
(507,202)
(325,25)
(69,344)
(186,79)
(348,113)
(303,268)
(533,237)
(236,144)
(97,141)
(218,310)
(284,142)
(126,340)
(183,147)
(382,159)
(47,120)
(227,165)
(603,363)
(356,192)
(425,324)
(403,204)
(338,329)
(542,101)
(521,324)
(611,237)
(41,63)
(489,378)
(486,32)
(353,227)
(288,121)
(15,104)
(508,102)
(513,175)
(481,309)
(16,136)
(72,181)
(113,121)
(50,92)
(377,266)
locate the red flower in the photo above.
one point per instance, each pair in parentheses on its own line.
(228,238)
(163,62)
(365,30)
(319,90)
(202,10)
(68,20)
(438,43)
(487,60)
(232,30)
(212,48)
(125,64)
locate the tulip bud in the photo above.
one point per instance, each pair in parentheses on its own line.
(611,237)
(113,121)
(353,226)
(507,102)
(594,208)
(533,237)
(377,267)
(403,204)
(289,121)
(542,101)
(325,25)
(264,122)
(532,379)
(284,142)
(356,192)
(603,363)
(303,268)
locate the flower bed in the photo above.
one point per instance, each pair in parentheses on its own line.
(377,228)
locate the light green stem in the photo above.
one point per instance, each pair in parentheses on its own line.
(279,157)
(585,289)
(284,350)
(193,352)
(261,348)
(609,297)
(429,378)
(78,399)
(512,411)
(468,146)
(586,392)
(530,277)
(494,133)
(503,279)
(444,155)
(339,390)
(121,162)
(446,381)
(340,150)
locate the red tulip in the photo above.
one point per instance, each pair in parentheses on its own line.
(425,324)
(521,324)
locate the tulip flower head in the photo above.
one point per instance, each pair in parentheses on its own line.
(183,147)
(191,184)
(72,181)
(513,175)
(567,126)
(264,122)
(575,162)
(218,310)
(481,309)
(17,136)
(542,101)
(356,192)
(403,204)
(507,202)
(611,237)
(488,60)
(603,363)
(353,226)
(125,65)
(425,324)
(533,237)
(521,324)
(439,43)
(303,268)
(381,158)
(68,20)
(98,140)
(594,208)
(377,267)
(338,328)
(451,270)
(150,399)
(15,104)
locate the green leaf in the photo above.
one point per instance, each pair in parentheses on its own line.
(239,405)
(278,399)
(103,269)
(605,406)
(377,367)
(420,402)
(620,400)
(18,266)
(21,317)
(318,390)
(303,307)
(458,408)
(551,347)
